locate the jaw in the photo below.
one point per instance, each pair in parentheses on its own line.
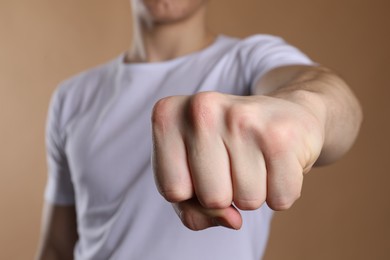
(165,12)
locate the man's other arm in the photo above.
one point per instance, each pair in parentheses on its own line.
(59,233)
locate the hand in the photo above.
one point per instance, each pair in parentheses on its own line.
(214,152)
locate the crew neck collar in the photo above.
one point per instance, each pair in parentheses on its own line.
(168,63)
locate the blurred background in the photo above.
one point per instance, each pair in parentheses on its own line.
(344,211)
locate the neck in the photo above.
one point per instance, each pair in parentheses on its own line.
(154,42)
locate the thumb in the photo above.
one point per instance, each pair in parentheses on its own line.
(196,217)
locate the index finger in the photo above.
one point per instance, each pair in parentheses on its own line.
(169,157)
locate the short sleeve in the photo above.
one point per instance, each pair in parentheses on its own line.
(266,52)
(59,187)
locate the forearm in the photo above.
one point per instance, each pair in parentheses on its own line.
(325,95)
(58,234)
(50,253)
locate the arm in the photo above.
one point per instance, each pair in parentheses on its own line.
(59,233)
(212,150)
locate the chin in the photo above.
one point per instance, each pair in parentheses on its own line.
(167,11)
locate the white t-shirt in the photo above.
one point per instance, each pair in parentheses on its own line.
(99,147)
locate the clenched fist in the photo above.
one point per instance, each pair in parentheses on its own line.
(214,153)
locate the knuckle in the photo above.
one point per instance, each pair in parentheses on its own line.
(279,205)
(281,131)
(282,203)
(161,113)
(248,204)
(240,120)
(175,195)
(215,202)
(279,138)
(173,191)
(203,110)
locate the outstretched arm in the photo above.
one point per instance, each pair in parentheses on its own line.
(212,150)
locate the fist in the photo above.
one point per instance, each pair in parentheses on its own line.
(214,153)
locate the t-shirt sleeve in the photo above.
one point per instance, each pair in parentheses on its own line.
(59,188)
(264,53)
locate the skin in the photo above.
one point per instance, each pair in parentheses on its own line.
(166,29)
(212,150)
(214,153)
(58,233)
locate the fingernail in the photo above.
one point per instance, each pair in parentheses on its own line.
(219,221)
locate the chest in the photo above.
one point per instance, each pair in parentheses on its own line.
(108,142)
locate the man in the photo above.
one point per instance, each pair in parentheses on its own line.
(218,153)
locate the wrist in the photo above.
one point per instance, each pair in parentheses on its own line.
(311,101)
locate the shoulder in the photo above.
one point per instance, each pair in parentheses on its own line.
(76,93)
(253,41)
(255,55)
(260,48)
(268,50)
(259,44)
(260,39)
(88,80)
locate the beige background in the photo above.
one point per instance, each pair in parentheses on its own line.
(345,209)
